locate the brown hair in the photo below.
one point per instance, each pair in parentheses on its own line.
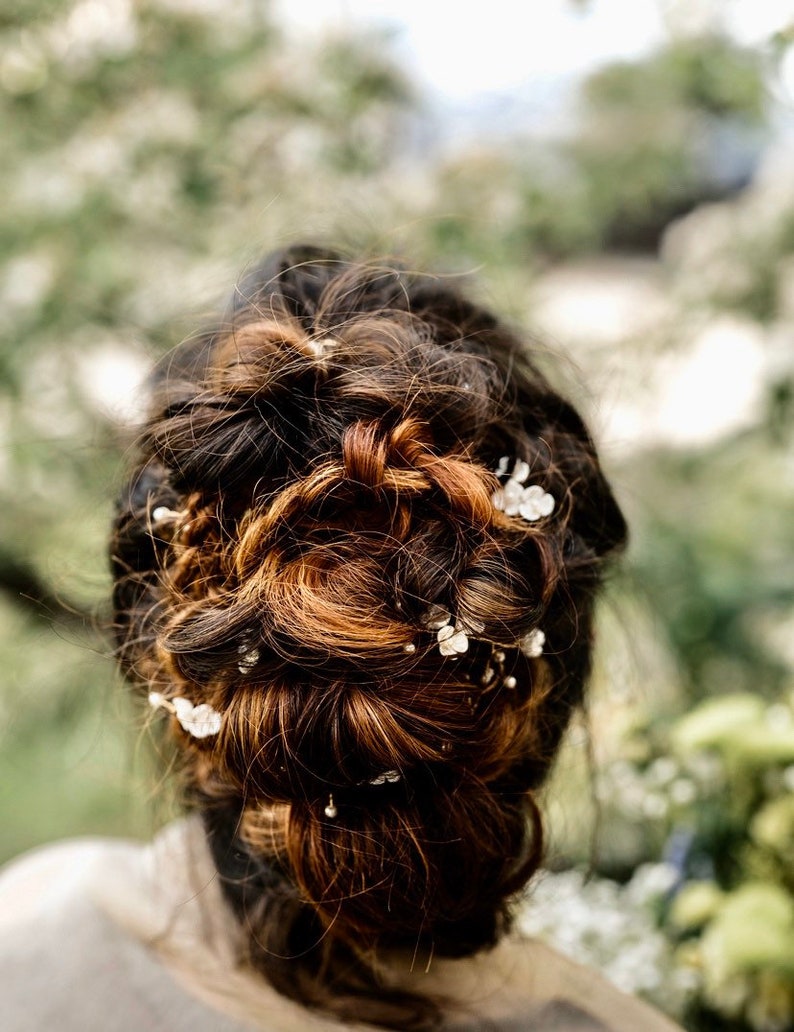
(329,451)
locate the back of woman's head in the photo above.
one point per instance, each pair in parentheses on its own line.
(364,535)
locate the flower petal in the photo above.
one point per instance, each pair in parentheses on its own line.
(455,644)
(535,503)
(532,643)
(529,511)
(511,496)
(200,721)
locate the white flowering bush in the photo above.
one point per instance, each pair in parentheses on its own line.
(708,933)
(614,928)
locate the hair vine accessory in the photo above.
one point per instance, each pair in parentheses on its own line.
(514,499)
(388,777)
(201,721)
(331,810)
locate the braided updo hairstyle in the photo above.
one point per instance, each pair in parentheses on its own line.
(314,549)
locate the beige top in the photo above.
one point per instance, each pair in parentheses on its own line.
(122,937)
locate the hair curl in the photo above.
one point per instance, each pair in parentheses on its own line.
(330,448)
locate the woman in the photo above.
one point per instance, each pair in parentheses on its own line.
(354,573)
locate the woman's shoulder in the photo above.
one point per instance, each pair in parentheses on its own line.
(77,944)
(122,935)
(588,990)
(523,983)
(56,875)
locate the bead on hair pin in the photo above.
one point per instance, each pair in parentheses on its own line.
(163,513)
(200,721)
(330,809)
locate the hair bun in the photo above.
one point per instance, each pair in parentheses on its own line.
(331,498)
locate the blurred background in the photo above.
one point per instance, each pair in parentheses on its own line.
(616,177)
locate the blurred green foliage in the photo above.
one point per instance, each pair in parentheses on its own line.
(641,151)
(152,150)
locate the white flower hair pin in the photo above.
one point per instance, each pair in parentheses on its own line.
(201,721)
(453,638)
(532,643)
(514,499)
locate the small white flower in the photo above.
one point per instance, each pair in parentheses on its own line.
(201,721)
(514,499)
(509,497)
(535,503)
(452,641)
(532,643)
